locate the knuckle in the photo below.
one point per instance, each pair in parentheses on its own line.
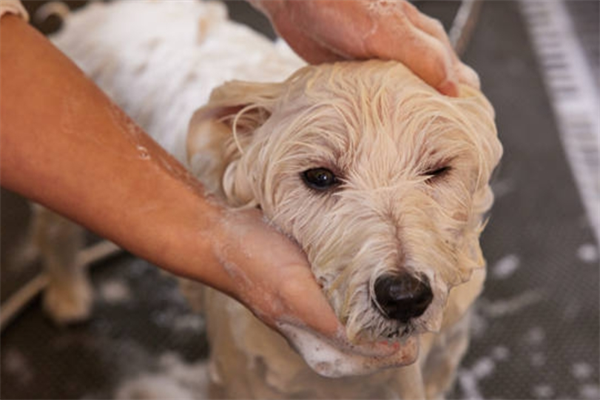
(437,26)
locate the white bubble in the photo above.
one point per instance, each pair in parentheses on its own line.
(581,370)
(543,391)
(115,292)
(590,391)
(500,353)
(588,253)
(506,266)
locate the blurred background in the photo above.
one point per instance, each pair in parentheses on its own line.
(535,334)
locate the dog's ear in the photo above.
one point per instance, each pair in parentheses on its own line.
(221,132)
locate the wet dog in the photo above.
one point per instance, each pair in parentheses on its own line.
(384,184)
(381,180)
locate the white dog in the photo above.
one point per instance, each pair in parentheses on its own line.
(382,181)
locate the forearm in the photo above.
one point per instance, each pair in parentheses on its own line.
(65,145)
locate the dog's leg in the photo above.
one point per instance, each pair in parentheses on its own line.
(447,351)
(409,383)
(68,297)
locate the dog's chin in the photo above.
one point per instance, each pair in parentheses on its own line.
(400,332)
(394,334)
(335,359)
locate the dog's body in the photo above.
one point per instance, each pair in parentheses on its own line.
(380,179)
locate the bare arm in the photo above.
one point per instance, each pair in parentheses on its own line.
(65,145)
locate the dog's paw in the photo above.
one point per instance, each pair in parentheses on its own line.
(67,304)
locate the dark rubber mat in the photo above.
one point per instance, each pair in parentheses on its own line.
(535,328)
(536,331)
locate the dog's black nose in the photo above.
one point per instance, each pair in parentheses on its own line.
(402,296)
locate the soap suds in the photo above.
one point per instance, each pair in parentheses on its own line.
(591,391)
(542,391)
(478,324)
(505,267)
(193,322)
(510,306)
(588,253)
(114,292)
(468,379)
(502,188)
(538,360)
(16,365)
(143,152)
(175,379)
(332,361)
(500,353)
(535,336)
(581,371)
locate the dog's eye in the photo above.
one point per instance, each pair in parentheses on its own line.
(320,179)
(437,173)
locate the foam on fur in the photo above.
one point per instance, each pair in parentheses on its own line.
(334,361)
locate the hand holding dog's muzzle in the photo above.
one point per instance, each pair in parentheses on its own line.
(271,276)
(336,357)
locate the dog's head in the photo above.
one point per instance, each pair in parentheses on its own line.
(382,181)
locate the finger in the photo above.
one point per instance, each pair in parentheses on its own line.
(423,54)
(308,48)
(305,303)
(434,28)
(290,20)
(462,72)
(468,76)
(427,24)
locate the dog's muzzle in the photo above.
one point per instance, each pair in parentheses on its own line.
(402,296)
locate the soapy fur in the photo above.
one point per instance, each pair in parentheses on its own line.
(375,124)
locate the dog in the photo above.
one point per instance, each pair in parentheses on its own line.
(381,180)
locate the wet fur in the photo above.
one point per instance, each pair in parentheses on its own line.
(381,129)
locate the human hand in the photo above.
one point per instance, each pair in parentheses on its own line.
(329,30)
(271,276)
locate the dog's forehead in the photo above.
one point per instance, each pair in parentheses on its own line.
(366,80)
(369,110)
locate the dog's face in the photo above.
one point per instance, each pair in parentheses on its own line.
(380,179)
